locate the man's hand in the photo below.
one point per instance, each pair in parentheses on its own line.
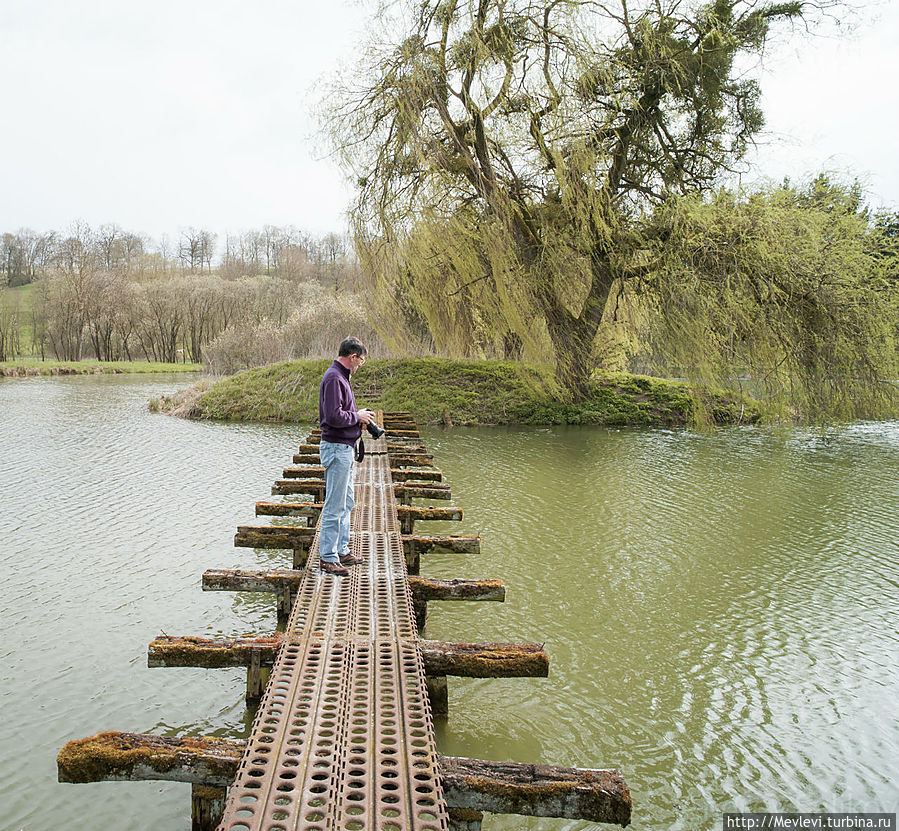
(366,416)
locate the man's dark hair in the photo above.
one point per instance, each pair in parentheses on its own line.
(351,346)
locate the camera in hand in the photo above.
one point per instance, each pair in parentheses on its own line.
(375,430)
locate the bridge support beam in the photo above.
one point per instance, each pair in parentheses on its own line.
(412,459)
(464,819)
(469,785)
(207,804)
(298,538)
(313,487)
(404,492)
(464,660)
(438,694)
(414,545)
(396,459)
(313,509)
(397,474)
(307,509)
(310,510)
(421,490)
(408,515)
(256,654)
(284,582)
(395,448)
(425,589)
(294,537)
(257,677)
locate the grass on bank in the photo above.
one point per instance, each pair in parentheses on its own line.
(24,298)
(29,367)
(437,390)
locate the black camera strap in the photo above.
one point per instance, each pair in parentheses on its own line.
(360,450)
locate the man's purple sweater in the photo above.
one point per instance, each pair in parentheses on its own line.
(337,407)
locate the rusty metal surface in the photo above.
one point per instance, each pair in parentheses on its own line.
(343,738)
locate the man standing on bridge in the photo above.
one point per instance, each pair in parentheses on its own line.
(341,426)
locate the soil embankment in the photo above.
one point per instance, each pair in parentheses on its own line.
(437,390)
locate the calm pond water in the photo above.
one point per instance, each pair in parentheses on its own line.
(721,611)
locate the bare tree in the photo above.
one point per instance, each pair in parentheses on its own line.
(9,325)
(196,249)
(110,246)
(67,294)
(11,254)
(24,256)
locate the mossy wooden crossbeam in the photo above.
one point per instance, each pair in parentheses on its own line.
(256,654)
(398,440)
(284,583)
(397,419)
(313,509)
(266,508)
(396,458)
(408,431)
(405,447)
(461,660)
(311,486)
(411,460)
(398,474)
(423,588)
(411,489)
(414,545)
(306,459)
(298,538)
(424,490)
(464,660)
(471,787)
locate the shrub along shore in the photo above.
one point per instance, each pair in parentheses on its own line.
(437,390)
(33,367)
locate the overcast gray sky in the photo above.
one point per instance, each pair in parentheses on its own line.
(162,115)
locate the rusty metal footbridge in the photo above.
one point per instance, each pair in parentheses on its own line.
(347,689)
(344,736)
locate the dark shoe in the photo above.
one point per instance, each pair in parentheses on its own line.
(350,560)
(333,568)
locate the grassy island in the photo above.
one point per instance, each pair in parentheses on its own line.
(437,390)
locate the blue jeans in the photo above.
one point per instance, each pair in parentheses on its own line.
(334,526)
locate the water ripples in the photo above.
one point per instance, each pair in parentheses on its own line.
(720,610)
(110,516)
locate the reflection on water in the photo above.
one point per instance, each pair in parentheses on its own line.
(720,611)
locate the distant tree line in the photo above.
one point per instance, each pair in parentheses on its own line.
(26,255)
(109,294)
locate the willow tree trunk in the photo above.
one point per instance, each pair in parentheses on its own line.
(573,337)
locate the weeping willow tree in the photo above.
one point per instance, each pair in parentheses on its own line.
(516,161)
(782,287)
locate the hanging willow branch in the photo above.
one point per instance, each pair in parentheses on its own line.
(527,151)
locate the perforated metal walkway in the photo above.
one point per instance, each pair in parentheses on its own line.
(343,738)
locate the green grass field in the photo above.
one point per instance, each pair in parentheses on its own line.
(22,295)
